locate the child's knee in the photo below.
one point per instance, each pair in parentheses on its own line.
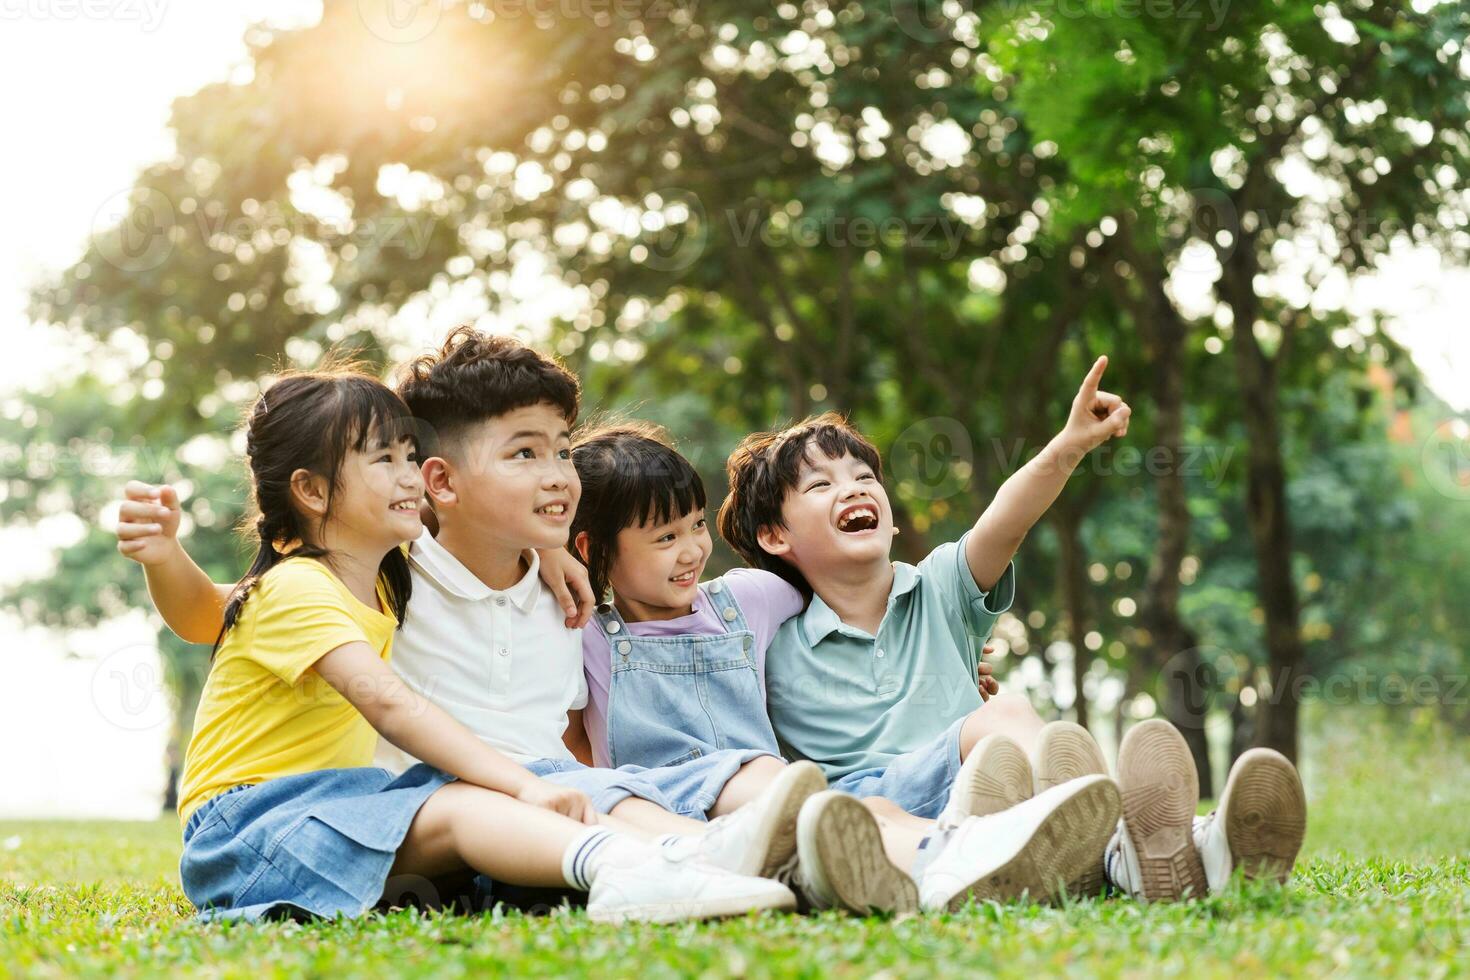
(1016,708)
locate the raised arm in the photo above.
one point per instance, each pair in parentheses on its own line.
(1096,417)
(148,532)
(426,732)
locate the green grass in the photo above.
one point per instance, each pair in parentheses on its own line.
(1383,889)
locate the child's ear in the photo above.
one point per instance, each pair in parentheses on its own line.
(439,482)
(581,543)
(309,492)
(773,540)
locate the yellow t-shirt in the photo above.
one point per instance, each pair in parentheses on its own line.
(264,712)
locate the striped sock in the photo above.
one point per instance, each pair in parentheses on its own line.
(580,858)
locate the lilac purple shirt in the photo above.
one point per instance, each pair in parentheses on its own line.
(766,599)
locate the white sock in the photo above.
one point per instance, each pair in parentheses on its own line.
(597,848)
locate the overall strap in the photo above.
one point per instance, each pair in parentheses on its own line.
(722,600)
(607,619)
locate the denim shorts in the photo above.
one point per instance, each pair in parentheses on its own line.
(605,787)
(690,788)
(318,843)
(919,781)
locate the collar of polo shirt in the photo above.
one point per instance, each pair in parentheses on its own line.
(450,574)
(819,620)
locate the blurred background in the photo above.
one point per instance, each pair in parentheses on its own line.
(725,215)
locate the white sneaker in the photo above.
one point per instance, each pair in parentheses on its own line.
(1034,848)
(664,890)
(1259,823)
(1152,856)
(995,776)
(841,862)
(759,838)
(1066,751)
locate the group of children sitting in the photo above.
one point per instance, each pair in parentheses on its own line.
(405,691)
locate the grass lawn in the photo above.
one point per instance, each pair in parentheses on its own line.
(1382,889)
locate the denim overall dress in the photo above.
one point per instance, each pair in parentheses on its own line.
(689,708)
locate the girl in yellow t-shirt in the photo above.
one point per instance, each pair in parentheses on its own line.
(281,808)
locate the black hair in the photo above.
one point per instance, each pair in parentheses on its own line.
(764,468)
(474,377)
(311,421)
(631,475)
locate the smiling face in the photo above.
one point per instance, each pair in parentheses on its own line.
(378,493)
(655,571)
(508,482)
(836,515)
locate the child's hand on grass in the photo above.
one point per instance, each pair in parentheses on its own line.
(559,799)
(988,684)
(148,523)
(1096,416)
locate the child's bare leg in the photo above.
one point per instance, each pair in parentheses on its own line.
(902,831)
(643,818)
(747,784)
(469,826)
(1005,714)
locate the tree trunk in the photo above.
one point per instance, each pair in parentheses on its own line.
(1185,700)
(1270,525)
(1072,584)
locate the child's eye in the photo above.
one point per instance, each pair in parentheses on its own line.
(565,454)
(665,539)
(818,483)
(700,524)
(866,476)
(527,453)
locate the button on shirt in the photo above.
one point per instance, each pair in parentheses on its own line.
(501,662)
(849,700)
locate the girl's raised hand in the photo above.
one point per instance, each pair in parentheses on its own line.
(559,799)
(148,522)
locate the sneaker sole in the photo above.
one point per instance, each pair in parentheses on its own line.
(1067,751)
(995,776)
(1068,841)
(694,910)
(1160,795)
(842,846)
(1265,814)
(796,784)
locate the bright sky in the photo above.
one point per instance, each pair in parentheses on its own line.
(90,83)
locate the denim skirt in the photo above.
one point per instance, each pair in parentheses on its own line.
(315,844)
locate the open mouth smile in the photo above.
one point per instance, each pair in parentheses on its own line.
(860,517)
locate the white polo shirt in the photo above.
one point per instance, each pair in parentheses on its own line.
(502,662)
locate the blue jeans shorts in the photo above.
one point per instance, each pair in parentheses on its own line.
(319,843)
(919,781)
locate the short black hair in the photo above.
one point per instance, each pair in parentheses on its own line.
(474,377)
(764,468)
(631,475)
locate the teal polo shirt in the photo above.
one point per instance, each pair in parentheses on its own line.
(848,700)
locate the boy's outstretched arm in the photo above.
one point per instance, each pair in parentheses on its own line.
(1096,417)
(148,533)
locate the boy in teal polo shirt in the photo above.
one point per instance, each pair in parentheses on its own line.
(876,680)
